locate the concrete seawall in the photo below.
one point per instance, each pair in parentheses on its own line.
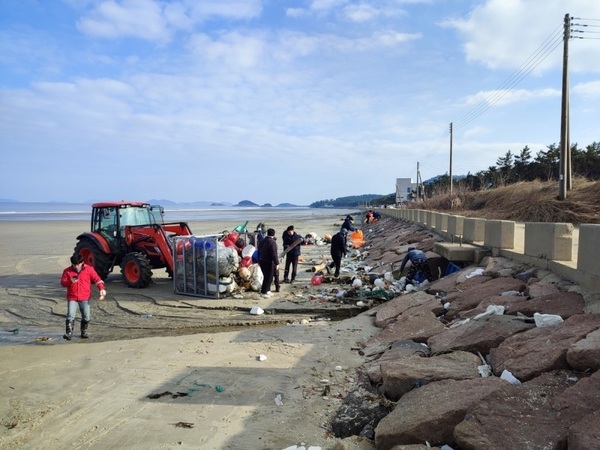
(568,251)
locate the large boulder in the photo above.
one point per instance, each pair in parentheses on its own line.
(585,434)
(519,417)
(403,375)
(584,355)
(478,335)
(470,298)
(529,354)
(397,351)
(430,413)
(564,304)
(417,327)
(399,305)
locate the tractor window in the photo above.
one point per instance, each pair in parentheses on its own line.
(135,216)
(105,221)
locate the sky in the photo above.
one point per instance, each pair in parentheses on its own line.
(281,101)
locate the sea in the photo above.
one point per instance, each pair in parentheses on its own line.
(31,211)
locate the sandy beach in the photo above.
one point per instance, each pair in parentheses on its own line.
(177,379)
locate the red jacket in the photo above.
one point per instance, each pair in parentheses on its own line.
(81,290)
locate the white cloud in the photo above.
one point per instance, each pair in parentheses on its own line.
(591,89)
(506,97)
(365,12)
(156,21)
(136,18)
(235,49)
(506,34)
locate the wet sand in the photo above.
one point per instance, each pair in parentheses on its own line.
(95,393)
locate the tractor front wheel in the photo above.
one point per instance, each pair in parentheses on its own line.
(93,256)
(136,270)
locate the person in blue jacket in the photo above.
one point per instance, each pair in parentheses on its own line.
(418,264)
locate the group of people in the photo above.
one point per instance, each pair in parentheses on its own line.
(268,258)
(372,216)
(79,277)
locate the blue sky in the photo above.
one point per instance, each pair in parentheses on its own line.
(280,101)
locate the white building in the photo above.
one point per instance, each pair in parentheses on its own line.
(404,189)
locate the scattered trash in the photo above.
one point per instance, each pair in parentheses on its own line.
(474,273)
(506,375)
(184,425)
(338,367)
(546,320)
(256,310)
(511,294)
(316,280)
(166,393)
(15,331)
(146,316)
(360,303)
(459,323)
(484,370)
(217,388)
(357,283)
(379,283)
(491,310)
(278,401)
(261,357)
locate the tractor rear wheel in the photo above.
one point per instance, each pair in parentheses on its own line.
(93,256)
(136,270)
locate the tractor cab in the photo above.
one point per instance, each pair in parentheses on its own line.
(110,219)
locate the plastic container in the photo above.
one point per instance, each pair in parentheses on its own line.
(316,280)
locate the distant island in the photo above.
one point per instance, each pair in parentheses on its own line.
(248,203)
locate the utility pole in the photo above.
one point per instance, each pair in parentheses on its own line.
(450,158)
(564,175)
(418,187)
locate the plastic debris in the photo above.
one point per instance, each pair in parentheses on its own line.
(491,310)
(256,310)
(546,320)
(512,294)
(278,400)
(262,357)
(379,283)
(474,273)
(506,375)
(484,370)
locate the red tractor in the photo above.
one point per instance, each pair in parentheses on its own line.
(131,235)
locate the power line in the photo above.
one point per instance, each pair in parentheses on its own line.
(539,55)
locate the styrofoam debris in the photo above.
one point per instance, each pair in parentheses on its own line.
(506,375)
(546,320)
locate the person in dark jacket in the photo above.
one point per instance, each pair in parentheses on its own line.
(418,263)
(338,250)
(290,237)
(268,261)
(347,225)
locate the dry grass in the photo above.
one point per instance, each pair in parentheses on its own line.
(534,201)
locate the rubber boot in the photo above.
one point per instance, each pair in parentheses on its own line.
(84,327)
(69,330)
